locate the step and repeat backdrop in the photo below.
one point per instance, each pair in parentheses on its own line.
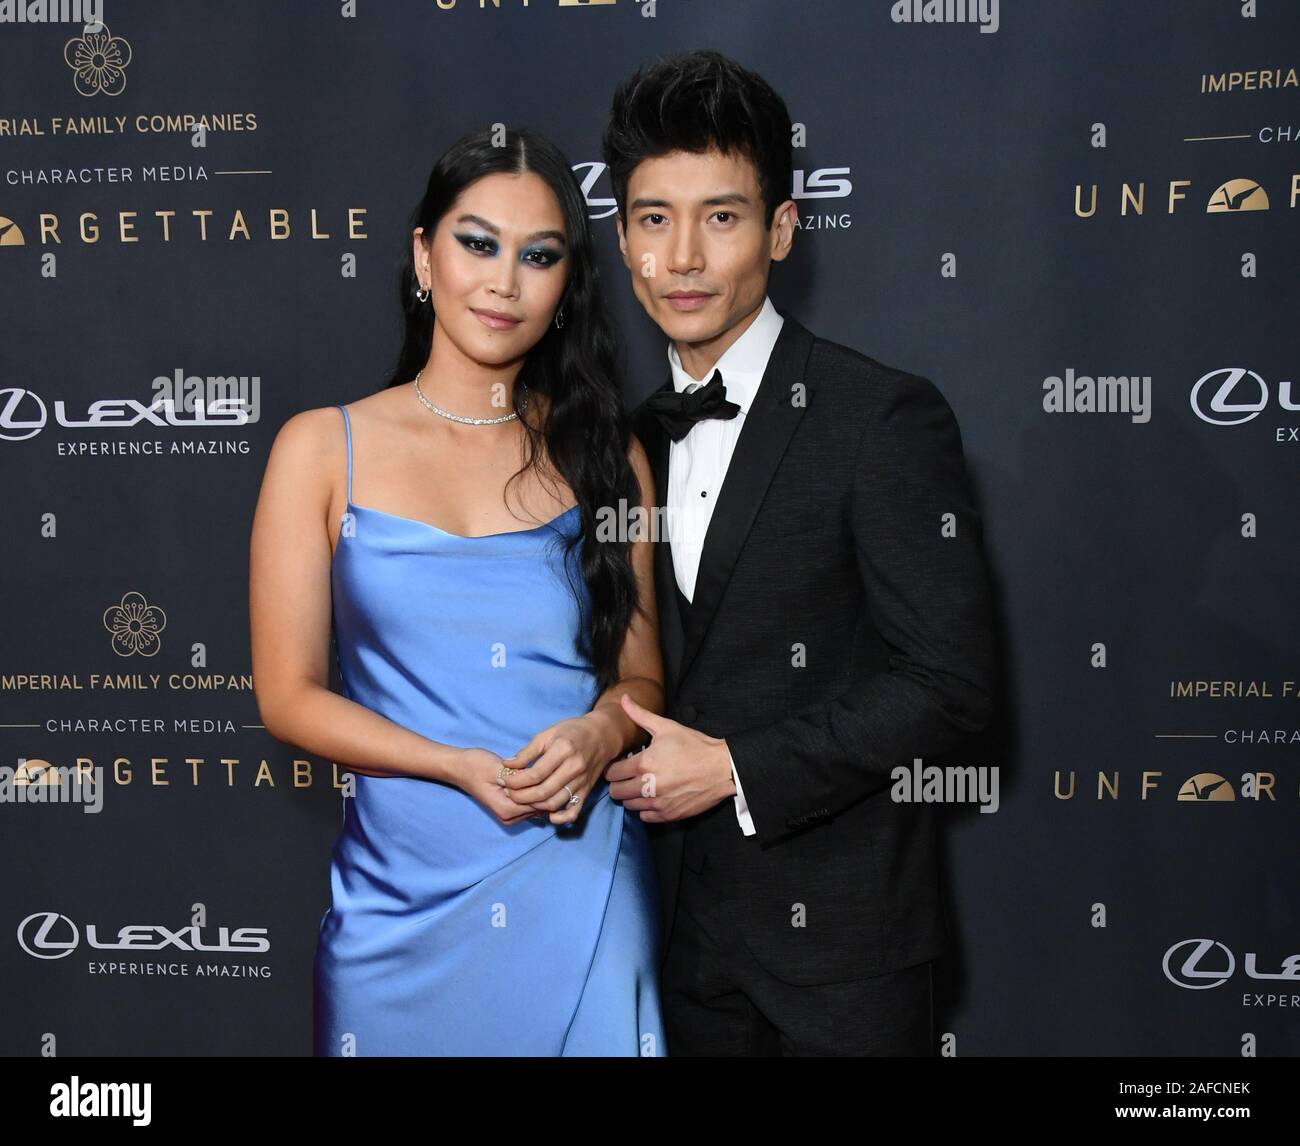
(1079,219)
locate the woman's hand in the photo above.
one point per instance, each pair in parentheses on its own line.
(475,774)
(574,751)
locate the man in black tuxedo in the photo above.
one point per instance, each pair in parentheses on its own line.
(824,604)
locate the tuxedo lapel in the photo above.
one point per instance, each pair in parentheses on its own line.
(770,422)
(671,622)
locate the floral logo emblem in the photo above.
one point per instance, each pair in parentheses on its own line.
(135,625)
(98,60)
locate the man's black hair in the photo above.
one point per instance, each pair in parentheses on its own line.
(699,102)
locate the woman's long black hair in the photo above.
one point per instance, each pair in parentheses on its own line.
(585,431)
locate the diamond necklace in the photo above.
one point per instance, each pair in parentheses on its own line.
(460,418)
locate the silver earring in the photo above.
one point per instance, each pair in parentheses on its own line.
(559,319)
(422,294)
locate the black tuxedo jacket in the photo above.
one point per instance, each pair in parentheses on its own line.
(836,632)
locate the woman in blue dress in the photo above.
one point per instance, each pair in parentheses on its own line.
(488,897)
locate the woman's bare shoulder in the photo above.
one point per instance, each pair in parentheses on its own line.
(322,430)
(308,459)
(316,432)
(313,442)
(383,407)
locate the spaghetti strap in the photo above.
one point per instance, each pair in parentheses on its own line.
(347,426)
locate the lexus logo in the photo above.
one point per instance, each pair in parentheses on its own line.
(1211,394)
(1189,972)
(593,171)
(13,428)
(48,935)
(1200,964)
(17,403)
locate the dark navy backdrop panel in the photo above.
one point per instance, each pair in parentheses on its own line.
(1079,220)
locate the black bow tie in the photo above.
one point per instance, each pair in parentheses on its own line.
(678,412)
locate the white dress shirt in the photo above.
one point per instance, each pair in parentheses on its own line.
(698,462)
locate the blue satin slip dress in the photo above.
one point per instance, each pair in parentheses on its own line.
(450,933)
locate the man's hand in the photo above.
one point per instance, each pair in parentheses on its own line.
(680,774)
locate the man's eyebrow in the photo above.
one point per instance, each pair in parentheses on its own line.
(712,201)
(557,235)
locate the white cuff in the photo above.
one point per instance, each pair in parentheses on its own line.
(742,808)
